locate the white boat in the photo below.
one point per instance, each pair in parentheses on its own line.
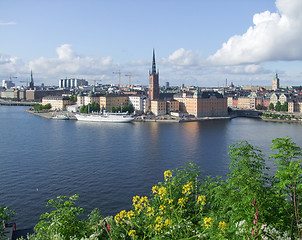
(60,117)
(105,117)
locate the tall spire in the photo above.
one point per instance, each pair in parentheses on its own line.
(31,76)
(153,63)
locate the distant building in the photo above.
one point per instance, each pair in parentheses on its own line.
(72,83)
(7,84)
(276,83)
(159,107)
(39,94)
(202,104)
(109,101)
(57,102)
(153,92)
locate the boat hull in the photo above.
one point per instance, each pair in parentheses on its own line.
(111,118)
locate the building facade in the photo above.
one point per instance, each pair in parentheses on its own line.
(57,102)
(202,104)
(109,101)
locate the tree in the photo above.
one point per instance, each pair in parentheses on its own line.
(284,107)
(66,221)
(258,107)
(289,176)
(5,215)
(271,106)
(278,106)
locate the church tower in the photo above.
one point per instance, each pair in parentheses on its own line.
(276,83)
(153,81)
(31,83)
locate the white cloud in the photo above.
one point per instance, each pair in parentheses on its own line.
(69,64)
(274,36)
(7,23)
(183,58)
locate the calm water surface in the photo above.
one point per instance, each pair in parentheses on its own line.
(107,164)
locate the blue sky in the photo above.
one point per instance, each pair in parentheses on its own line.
(197,42)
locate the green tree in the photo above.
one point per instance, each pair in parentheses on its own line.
(66,221)
(289,177)
(47,106)
(258,107)
(284,107)
(278,106)
(271,106)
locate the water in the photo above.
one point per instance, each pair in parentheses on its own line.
(107,164)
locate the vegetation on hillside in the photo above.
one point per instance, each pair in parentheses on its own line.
(248,204)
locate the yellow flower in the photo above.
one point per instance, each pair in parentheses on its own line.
(120,217)
(162,209)
(222,226)
(150,211)
(162,191)
(130,215)
(169,201)
(181,202)
(155,189)
(208,222)
(167,175)
(187,189)
(132,233)
(201,200)
(168,223)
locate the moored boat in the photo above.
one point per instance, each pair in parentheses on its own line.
(60,117)
(105,117)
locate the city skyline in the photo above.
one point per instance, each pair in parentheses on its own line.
(199,43)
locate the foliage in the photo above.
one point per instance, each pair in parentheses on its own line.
(73,98)
(66,221)
(127,108)
(91,107)
(39,107)
(5,215)
(278,106)
(271,106)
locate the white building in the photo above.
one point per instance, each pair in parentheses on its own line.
(72,83)
(138,103)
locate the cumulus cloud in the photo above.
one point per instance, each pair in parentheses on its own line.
(274,36)
(183,58)
(69,64)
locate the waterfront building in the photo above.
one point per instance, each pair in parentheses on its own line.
(109,101)
(244,102)
(90,98)
(274,98)
(57,102)
(172,106)
(138,103)
(153,92)
(276,83)
(159,107)
(202,104)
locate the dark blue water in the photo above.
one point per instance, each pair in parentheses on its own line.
(107,164)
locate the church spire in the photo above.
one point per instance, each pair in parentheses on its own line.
(153,63)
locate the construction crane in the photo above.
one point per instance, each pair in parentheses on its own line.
(129,75)
(119,77)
